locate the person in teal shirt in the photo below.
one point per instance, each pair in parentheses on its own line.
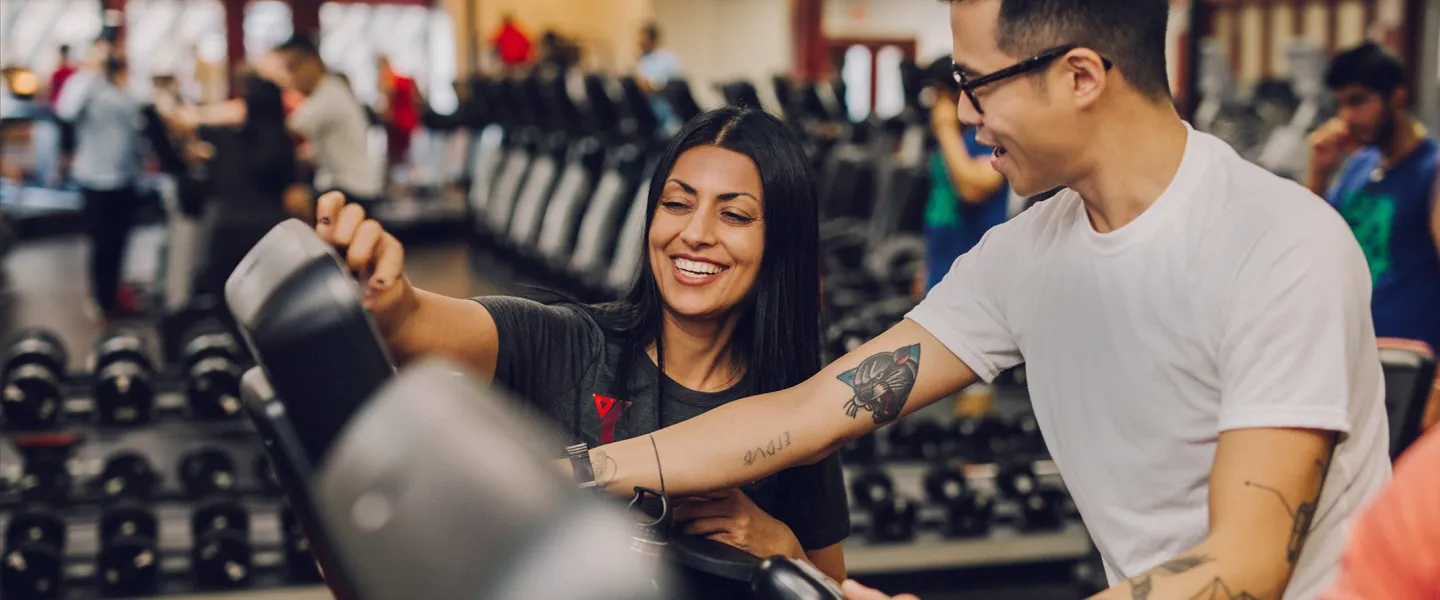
(967,196)
(1388,189)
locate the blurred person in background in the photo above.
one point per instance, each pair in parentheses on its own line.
(512,46)
(400,105)
(252,170)
(107,166)
(657,66)
(967,195)
(58,79)
(60,75)
(334,123)
(1387,188)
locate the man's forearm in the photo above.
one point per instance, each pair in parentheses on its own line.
(1316,181)
(1206,571)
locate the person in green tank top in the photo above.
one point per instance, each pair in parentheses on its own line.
(967,196)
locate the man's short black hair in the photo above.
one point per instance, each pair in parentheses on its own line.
(65,50)
(1131,33)
(300,45)
(1368,66)
(652,32)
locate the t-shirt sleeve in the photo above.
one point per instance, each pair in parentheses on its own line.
(1394,548)
(545,350)
(813,503)
(966,310)
(312,115)
(1297,329)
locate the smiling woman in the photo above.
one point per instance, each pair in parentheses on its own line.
(725,305)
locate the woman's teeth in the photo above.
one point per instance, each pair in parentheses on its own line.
(697,268)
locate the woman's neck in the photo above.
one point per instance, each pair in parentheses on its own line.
(698,354)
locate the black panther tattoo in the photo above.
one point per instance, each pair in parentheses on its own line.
(882,383)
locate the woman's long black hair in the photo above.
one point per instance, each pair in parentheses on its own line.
(778,335)
(269,151)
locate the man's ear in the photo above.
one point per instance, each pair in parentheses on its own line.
(1400,98)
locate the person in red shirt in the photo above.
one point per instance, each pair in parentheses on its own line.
(511,44)
(400,110)
(62,73)
(1394,550)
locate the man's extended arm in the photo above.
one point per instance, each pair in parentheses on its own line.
(892,375)
(1264,490)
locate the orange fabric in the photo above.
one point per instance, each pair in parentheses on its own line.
(1394,551)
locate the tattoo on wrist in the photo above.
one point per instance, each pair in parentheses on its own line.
(882,383)
(604,467)
(772,447)
(1302,516)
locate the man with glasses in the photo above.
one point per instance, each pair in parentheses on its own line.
(1196,330)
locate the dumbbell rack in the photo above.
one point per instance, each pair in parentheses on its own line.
(163,442)
(930,550)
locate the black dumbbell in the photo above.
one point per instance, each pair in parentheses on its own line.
(1016,479)
(917,438)
(126,475)
(32,565)
(207,472)
(219,516)
(967,511)
(893,520)
(35,526)
(978,439)
(129,561)
(264,472)
(299,562)
(31,398)
(871,487)
(212,360)
(221,555)
(862,450)
(1043,509)
(124,380)
(46,479)
(1026,431)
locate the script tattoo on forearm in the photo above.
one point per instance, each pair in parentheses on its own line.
(882,383)
(1302,516)
(771,447)
(1142,585)
(604,467)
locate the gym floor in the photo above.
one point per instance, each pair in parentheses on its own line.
(48,286)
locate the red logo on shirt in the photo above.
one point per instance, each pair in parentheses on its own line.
(603,404)
(608,417)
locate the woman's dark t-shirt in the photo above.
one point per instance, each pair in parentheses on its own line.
(560,360)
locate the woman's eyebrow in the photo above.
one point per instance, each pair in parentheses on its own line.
(689,189)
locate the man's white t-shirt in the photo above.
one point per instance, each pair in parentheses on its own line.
(1237,300)
(332,120)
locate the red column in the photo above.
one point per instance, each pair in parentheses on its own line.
(116,5)
(234,35)
(305,16)
(809,38)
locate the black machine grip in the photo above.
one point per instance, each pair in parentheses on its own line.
(781,578)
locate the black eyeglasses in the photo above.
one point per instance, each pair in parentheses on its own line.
(1039,61)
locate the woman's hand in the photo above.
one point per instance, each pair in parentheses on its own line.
(375,256)
(855,591)
(731,518)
